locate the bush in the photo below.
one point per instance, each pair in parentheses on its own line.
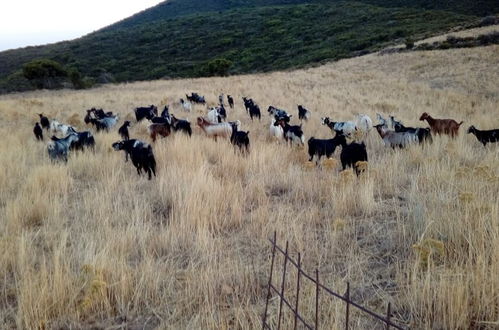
(217,67)
(409,43)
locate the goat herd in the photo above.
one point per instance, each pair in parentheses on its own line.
(393,133)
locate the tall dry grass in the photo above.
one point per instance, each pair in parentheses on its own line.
(91,244)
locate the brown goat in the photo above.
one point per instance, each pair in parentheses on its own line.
(441,126)
(161,129)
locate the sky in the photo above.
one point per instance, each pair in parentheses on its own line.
(37,22)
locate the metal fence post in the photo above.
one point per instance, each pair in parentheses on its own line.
(347,298)
(282,286)
(270,279)
(297,290)
(316,299)
(388,316)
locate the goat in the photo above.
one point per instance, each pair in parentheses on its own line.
(485,137)
(141,155)
(230,100)
(166,113)
(423,134)
(346,128)
(196,98)
(38,131)
(364,124)
(214,115)
(105,123)
(59,148)
(84,139)
(442,126)
(291,133)
(44,121)
(396,139)
(239,138)
(276,131)
(351,154)
(215,129)
(254,111)
(186,105)
(123,130)
(383,121)
(145,112)
(63,128)
(181,125)
(247,103)
(161,129)
(303,114)
(279,113)
(319,148)
(221,99)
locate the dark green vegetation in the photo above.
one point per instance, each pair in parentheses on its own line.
(190,38)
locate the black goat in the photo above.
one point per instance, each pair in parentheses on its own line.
(485,137)
(326,148)
(181,124)
(254,111)
(196,98)
(123,130)
(230,100)
(303,114)
(239,138)
(37,130)
(247,103)
(44,121)
(141,155)
(279,114)
(145,112)
(353,153)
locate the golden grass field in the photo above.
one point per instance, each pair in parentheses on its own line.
(91,244)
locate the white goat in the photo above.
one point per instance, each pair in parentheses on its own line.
(276,132)
(216,129)
(396,139)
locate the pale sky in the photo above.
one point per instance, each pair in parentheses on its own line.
(37,22)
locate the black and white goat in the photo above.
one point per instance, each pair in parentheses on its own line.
(141,155)
(84,140)
(279,113)
(292,133)
(186,105)
(346,128)
(319,148)
(485,137)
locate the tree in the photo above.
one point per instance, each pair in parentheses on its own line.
(44,73)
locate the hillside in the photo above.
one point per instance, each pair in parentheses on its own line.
(91,245)
(179,38)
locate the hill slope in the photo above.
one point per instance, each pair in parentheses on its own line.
(179,38)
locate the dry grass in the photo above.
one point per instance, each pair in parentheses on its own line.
(92,244)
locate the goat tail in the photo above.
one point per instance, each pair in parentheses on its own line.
(460,123)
